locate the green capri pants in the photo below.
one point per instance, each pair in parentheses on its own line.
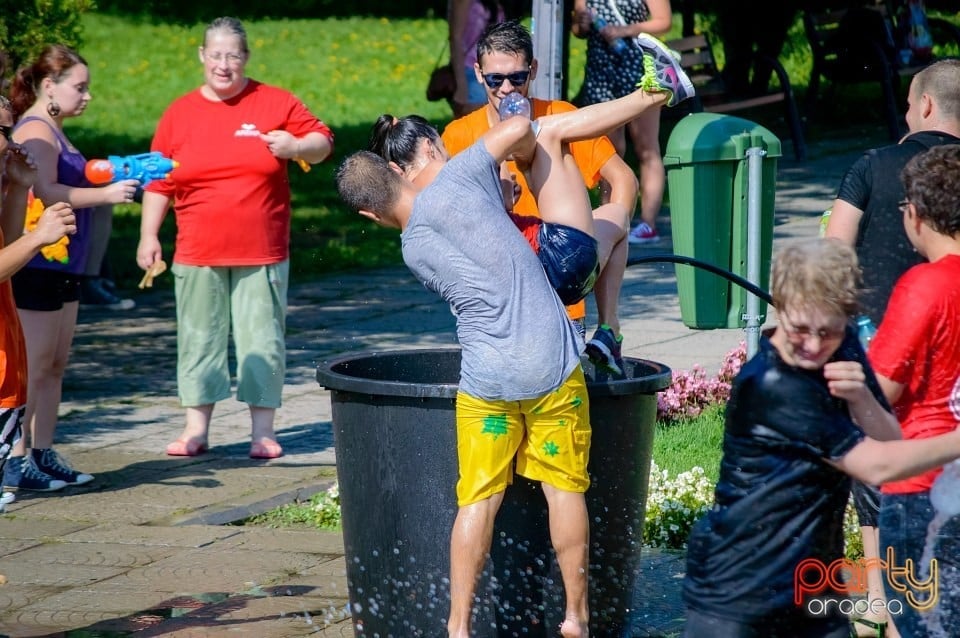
(212,300)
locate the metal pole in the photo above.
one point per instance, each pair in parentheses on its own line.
(754,183)
(546,27)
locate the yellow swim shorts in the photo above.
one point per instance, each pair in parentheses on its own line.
(549,436)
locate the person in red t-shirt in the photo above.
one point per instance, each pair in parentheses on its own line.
(18,172)
(916,355)
(233,138)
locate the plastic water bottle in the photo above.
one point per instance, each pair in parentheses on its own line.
(618,46)
(865,331)
(514,104)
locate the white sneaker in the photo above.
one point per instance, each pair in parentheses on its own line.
(643,234)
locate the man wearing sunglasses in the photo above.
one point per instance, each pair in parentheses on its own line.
(505,64)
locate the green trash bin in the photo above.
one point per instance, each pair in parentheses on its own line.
(707,175)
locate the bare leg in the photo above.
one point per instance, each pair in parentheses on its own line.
(599,119)
(101,225)
(263,440)
(554,177)
(48,336)
(197,424)
(570,534)
(262,420)
(607,289)
(871,557)
(619,140)
(469,547)
(645,132)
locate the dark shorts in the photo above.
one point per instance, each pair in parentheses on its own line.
(866,500)
(787,623)
(571,260)
(44,290)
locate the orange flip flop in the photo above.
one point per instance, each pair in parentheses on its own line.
(265,449)
(187,447)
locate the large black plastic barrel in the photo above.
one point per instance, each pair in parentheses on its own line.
(395,438)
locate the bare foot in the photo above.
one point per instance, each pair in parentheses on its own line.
(572,627)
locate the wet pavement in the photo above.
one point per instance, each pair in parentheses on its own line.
(149,548)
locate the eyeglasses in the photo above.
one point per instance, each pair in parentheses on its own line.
(231,58)
(6,131)
(903,206)
(517,78)
(805,332)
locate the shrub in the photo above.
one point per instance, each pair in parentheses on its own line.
(320,511)
(673,506)
(691,391)
(29,26)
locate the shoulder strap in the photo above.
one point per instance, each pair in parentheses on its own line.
(57,133)
(616,12)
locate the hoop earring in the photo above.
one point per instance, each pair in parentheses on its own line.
(53,109)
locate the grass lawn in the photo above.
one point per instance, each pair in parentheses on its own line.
(679,446)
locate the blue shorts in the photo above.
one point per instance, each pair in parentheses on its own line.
(571,260)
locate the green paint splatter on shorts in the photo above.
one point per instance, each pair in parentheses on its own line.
(537,410)
(551,449)
(577,402)
(495,424)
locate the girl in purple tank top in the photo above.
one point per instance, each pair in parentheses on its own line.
(43,94)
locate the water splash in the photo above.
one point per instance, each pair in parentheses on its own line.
(945,499)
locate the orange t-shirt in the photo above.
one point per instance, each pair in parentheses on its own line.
(13,350)
(590,156)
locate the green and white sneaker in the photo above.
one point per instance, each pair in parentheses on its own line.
(662,71)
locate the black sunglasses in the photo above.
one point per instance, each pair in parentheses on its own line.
(517,78)
(7,131)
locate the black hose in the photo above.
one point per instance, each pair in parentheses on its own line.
(690,261)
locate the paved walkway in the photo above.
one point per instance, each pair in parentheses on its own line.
(148,549)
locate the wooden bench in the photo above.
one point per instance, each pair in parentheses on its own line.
(696,57)
(868,59)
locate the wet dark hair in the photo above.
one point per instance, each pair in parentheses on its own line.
(366,182)
(509,37)
(53,62)
(397,140)
(932,183)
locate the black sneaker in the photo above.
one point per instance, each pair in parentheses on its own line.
(21,474)
(53,465)
(93,293)
(605,350)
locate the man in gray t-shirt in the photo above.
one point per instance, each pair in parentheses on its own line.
(522,393)
(517,341)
